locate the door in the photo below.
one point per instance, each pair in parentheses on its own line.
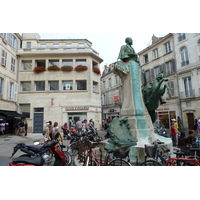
(190,117)
(38,122)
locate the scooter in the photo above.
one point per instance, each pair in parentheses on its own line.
(61,158)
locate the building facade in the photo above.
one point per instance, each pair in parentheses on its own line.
(187,52)
(110,93)
(160,57)
(57,96)
(9,45)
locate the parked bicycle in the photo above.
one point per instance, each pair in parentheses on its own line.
(112,157)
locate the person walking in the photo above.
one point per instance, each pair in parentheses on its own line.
(55,129)
(191,140)
(3,127)
(25,126)
(79,126)
(84,125)
(180,126)
(21,128)
(65,128)
(173,134)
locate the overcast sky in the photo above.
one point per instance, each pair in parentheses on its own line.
(107,44)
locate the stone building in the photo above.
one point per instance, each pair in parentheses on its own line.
(58,96)
(9,45)
(110,93)
(187,52)
(160,57)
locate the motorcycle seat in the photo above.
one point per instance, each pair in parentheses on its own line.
(38,161)
(77,134)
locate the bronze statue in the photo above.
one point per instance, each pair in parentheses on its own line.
(153,92)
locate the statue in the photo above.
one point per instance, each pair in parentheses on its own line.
(153,92)
(134,127)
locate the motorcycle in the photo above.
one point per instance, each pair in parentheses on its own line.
(62,158)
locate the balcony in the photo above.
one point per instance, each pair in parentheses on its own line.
(189,94)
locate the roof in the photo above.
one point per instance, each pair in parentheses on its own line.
(64,40)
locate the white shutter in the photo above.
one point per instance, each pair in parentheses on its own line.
(15,92)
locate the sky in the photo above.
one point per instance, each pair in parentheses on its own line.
(108,44)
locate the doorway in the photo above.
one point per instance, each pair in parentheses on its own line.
(190,118)
(38,122)
(76,116)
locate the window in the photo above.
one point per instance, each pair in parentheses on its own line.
(181,36)
(146,59)
(199,49)
(104,99)
(54,62)
(12,64)
(110,82)
(3,57)
(168,67)
(95,87)
(27,65)
(156,71)
(188,87)
(53,85)
(39,86)
(167,47)
(184,57)
(155,53)
(147,74)
(38,110)
(28,45)
(171,86)
(110,98)
(55,45)
(67,85)
(1,87)
(26,86)
(67,63)
(11,91)
(81,44)
(68,45)
(104,85)
(43,45)
(94,64)
(25,110)
(40,63)
(81,62)
(116,79)
(81,85)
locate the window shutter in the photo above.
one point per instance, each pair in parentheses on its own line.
(15,92)
(173,65)
(152,74)
(8,89)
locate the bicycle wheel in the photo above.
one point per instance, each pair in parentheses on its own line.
(68,157)
(119,162)
(151,163)
(72,149)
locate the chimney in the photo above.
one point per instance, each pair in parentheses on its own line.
(154,39)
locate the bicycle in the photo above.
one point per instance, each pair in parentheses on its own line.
(118,158)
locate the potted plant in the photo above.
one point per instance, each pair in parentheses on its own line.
(39,69)
(79,68)
(96,70)
(53,68)
(67,68)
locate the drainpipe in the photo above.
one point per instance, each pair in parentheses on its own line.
(17,81)
(177,78)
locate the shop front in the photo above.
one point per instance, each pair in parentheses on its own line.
(111,113)
(164,116)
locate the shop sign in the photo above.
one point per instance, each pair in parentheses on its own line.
(112,110)
(162,109)
(116,97)
(76,108)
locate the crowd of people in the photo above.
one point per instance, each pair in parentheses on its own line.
(179,138)
(52,131)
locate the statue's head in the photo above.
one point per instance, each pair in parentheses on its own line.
(129,41)
(160,76)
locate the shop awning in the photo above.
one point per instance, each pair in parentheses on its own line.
(11,114)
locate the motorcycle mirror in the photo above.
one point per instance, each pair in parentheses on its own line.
(36,143)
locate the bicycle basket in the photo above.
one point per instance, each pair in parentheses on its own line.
(150,150)
(120,154)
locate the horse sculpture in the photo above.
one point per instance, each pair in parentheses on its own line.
(153,92)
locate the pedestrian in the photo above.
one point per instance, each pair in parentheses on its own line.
(3,127)
(73,126)
(191,140)
(195,125)
(182,140)
(50,129)
(65,128)
(180,126)
(45,133)
(58,137)
(25,126)
(198,125)
(91,122)
(55,129)
(84,125)
(21,128)
(79,126)
(173,134)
